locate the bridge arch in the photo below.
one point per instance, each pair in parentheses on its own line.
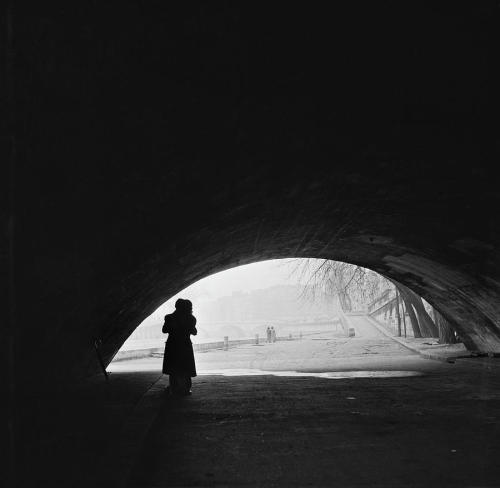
(107,287)
(442,286)
(173,144)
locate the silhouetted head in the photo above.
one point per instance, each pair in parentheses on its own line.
(184,306)
(189,306)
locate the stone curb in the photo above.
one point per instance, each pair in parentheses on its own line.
(118,465)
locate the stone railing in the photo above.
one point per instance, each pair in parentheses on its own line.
(204,346)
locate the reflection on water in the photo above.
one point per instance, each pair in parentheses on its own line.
(331,375)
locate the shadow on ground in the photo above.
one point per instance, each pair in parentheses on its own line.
(439,429)
(435,430)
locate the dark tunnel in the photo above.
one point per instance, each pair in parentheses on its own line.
(154,151)
(152,145)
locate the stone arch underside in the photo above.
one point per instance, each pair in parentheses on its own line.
(156,146)
(133,285)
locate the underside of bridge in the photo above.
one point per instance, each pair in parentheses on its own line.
(154,145)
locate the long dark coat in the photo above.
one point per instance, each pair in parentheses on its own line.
(179,358)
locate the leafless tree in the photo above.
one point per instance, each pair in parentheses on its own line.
(352,285)
(355,286)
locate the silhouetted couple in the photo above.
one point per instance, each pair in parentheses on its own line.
(271,334)
(178,361)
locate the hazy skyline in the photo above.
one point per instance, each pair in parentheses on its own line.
(243,278)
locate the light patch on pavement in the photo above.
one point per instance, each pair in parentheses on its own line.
(330,375)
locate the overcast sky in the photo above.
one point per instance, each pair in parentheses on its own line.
(249,277)
(242,278)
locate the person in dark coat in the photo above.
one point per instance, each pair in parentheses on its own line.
(178,360)
(273,334)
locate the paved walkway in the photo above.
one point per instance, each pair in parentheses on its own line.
(259,429)
(325,351)
(267,430)
(274,431)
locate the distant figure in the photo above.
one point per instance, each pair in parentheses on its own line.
(178,360)
(273,334)
(268,332)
